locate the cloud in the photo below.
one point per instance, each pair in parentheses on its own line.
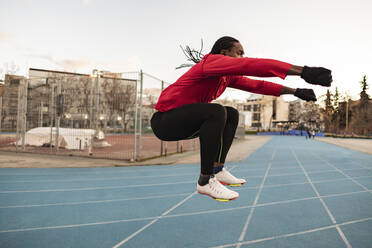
(65,64)
(73,64)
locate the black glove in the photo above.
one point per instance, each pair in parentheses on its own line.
(317,75)
(305,94)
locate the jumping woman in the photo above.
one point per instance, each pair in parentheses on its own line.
(184,109)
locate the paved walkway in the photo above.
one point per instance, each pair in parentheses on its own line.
(361,145)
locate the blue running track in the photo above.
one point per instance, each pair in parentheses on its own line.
(299,193)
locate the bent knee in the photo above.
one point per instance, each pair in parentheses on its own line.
(218,111)
(232,114)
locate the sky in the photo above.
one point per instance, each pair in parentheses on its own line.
(123,35)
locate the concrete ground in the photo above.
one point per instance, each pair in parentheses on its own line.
(240,149)
(362,145)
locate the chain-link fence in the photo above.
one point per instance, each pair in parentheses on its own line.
(102,115)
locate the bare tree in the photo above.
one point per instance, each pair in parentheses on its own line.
(119,100)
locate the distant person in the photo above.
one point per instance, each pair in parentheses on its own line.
(184,109)
(313,133)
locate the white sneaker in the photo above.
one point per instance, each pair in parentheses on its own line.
(216,190)
(225,177)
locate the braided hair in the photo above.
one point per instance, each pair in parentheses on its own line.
(223,43)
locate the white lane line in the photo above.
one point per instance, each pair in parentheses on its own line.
(74,225)
(155,220)
(92,202)
(92,188)
(352,179)
(342,235)
(245,227)
(179,215)
(96,188)
(93,179)
(294,234)
(123,170)
(359,164)
(160,184)
(157,176)
(152,222)
(139,198)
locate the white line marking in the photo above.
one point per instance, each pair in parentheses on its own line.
(157,176)
(103,170)
(139,198)
(342,235)
(352,179)
(153,221)
(179,215)
(94,179)
(245,227)
(92,188)
(294,234)
(92,202)
(160,184)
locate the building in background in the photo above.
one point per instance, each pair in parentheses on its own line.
(265,112)
(9,102)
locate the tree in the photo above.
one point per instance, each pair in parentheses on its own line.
(364,97)
(328,111)
(119,100)
(362,117)
(336,111)
(308,116)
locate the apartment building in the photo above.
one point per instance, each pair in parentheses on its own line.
(9,101)
(265,112)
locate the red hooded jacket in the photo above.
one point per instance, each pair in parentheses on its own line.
(208,79)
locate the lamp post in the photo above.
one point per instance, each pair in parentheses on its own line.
(68,117)
(96,74)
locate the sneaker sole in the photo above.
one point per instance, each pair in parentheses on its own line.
(218,199)
(231,185)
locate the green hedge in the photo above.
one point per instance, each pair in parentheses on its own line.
(251,132)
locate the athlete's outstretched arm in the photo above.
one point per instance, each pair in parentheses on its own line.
(304,94)
(295,70)
(313,75)
(269,88)
(219,65)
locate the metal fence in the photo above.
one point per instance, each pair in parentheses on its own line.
(100,115)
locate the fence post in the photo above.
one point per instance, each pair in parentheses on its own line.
(91,105)
(139,144)
(18,115)
(97,104)
(135,122)
(58,117)
(52,116)
(24,114)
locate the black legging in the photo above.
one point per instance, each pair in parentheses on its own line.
(214,124)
